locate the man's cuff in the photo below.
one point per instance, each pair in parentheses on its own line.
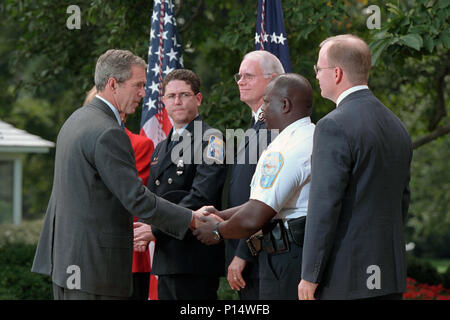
(243,252)
(192,224)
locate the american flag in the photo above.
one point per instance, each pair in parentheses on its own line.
(164,55)
(270,33)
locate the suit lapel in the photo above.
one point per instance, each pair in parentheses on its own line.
(164,155)
(253,136)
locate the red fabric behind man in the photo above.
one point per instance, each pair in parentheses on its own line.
(143,148)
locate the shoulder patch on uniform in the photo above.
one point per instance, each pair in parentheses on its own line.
(215,149)
(272,164)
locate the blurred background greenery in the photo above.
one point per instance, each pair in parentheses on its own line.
(46,70)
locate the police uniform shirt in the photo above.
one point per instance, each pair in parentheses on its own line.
(283,172)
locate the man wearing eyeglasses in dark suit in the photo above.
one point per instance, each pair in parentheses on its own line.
(255,72)
(359,197)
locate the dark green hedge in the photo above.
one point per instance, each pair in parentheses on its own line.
(446,278)
(424,272)
(17,282)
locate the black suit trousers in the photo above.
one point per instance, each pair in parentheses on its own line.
(280,274)
(187,287)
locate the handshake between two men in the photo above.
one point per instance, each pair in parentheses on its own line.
(210,225)
(204,223)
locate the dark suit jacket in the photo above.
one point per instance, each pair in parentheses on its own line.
(195,186)
(95,188)
(358,201)
(239,193)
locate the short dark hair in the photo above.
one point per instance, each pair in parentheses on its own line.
(185,75)
(297,88)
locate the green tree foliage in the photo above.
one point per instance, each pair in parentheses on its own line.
(411,54)
(412,51)
(429,218)
(46,69)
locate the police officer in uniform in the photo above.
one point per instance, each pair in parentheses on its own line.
(187,169)
(279,191)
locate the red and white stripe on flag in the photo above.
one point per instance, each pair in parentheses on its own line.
(164,55)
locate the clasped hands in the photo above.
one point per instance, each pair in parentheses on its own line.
(142,236)
(204,221)
(199,216)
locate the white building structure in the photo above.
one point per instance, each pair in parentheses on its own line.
(14,144)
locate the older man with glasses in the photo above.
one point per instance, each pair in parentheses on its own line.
(255,72)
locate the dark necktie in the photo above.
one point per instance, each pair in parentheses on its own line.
(122,125)
(252,123)
(174,139)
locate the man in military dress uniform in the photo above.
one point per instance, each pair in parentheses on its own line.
(187,169)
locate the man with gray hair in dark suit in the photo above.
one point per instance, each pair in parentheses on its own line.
(86,244)
(255,72)
(354,246)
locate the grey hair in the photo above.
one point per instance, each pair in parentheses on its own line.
(268,62)
(115,64)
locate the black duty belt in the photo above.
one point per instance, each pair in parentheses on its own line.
(275,238)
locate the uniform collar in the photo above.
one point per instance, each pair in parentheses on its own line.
(189,127)
(295,125)
(179,131)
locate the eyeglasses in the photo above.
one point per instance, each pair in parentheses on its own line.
(248,76)
(181,96)
(317,69)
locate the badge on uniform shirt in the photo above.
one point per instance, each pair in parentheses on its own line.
(154,161)
(215,149)
(272,164)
